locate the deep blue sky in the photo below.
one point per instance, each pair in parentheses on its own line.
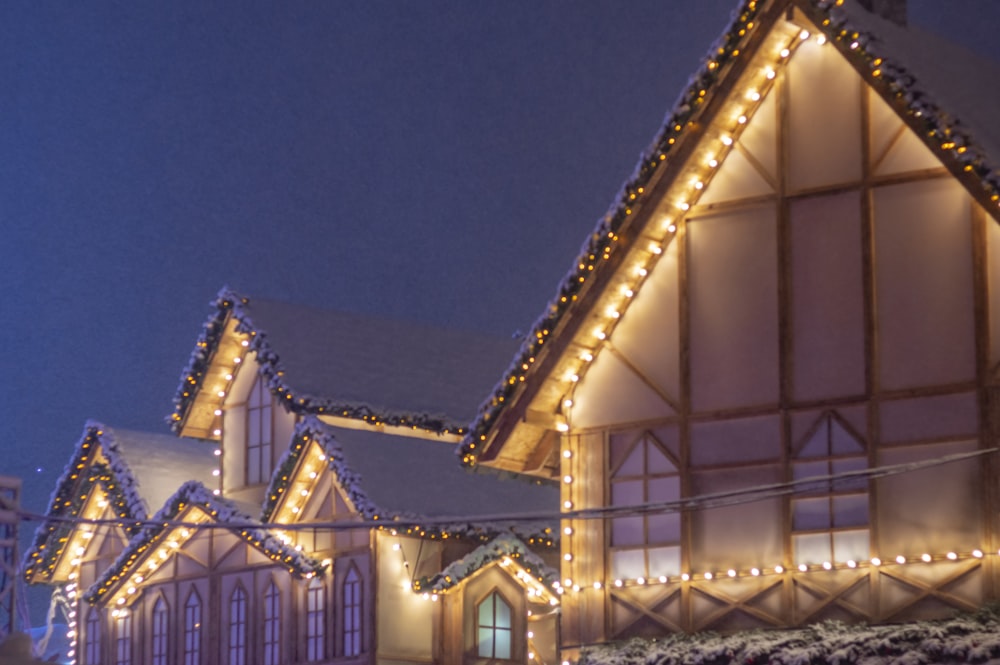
(430,160)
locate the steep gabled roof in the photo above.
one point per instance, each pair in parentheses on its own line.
(391,478)
(948,107)
(135,469)
(188,509)
(339,364)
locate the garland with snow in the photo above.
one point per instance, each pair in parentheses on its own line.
(936,126)
(193,493)
(312,429)
(500,548)
(970,638)
(74,487)
(229,303)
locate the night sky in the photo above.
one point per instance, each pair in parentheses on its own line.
(428,160)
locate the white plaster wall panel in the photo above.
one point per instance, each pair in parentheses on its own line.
(736,179)
(929,418)
(891,151)
(405,620)
(828,326)
(824,118)
(610,392)
(740,536)
(239,392)
(284,428)
(993,287)
(934,510)
(733,295)
(923,249)
(648,333)
(234,425)
(736,440)
(760,138)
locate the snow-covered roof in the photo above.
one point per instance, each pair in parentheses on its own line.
(411,479)
(161,463)
(194,494)
(352,365)
(939,89)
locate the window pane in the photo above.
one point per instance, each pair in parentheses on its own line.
(503,612)
(845,465)
(627,531)
(633,464)
(664,489)
(812,548)
(627,493)
(664,561)
(802,470)
(485,642)
(851,510)
(628,564)
(665,528)
(502,644)
(486,613)
(811,513)
(851,545)
(657,461)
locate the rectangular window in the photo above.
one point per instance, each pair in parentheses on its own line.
(315,620)
(238,627)
(192,630)
(159,633)
(92,649)
(260,432)
(352,613)
(494,627)
(123,639)
(272,626)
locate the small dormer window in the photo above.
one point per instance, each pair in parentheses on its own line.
(260,432)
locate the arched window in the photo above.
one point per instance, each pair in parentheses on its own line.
(315,620)
(192,629)
(830,519)
(159,633)
(237,642)
(92,645)
(493,622)
(272,625)
(352,612)
(259,432)
(123,638)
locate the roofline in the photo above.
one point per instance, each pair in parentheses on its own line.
(604,250)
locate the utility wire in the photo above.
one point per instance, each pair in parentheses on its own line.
(702,502)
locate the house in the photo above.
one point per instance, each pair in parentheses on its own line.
(768,386)
(312,491)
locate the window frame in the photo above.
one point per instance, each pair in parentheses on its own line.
(271,654)
(259,450)
(92,643)
(493,597)
(236,627)
(352,615)
(159,633)
(123,638)
(192,629)
(316,616)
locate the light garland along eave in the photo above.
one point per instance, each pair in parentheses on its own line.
(199,372)
(779,570)
(660,227)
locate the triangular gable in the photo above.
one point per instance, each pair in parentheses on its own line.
(314,451)
(191,506)
(231,333)
(507,552)
(532,398)
(96,483)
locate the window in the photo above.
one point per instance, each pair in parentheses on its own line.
(123,639)
(92,645)
(830,519)
(192,629)
(643,471)
(237,643)
(272,625)
(315,620)
(159,633)
(494,627)
(352,613)
(259,432)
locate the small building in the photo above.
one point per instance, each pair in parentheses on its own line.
(768,386)
(311,509)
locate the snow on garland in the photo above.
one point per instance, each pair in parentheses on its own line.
(193,493)
(500,548)
(73,488)
(968,638)
(229,303)
(311,428)
(599,246)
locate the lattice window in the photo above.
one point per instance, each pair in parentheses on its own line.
(192,629)
(92,645)
(272,625)
(830,520)
(123,639)
(237,642)
(352,613)
(159,633)
(315,620)
(494,630)
(260,432)
(643,471)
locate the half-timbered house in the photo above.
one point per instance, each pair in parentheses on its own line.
(768,385)
(311,510)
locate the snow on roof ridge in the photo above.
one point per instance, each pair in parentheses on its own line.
(504,546)
(194,493)
(600,243)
